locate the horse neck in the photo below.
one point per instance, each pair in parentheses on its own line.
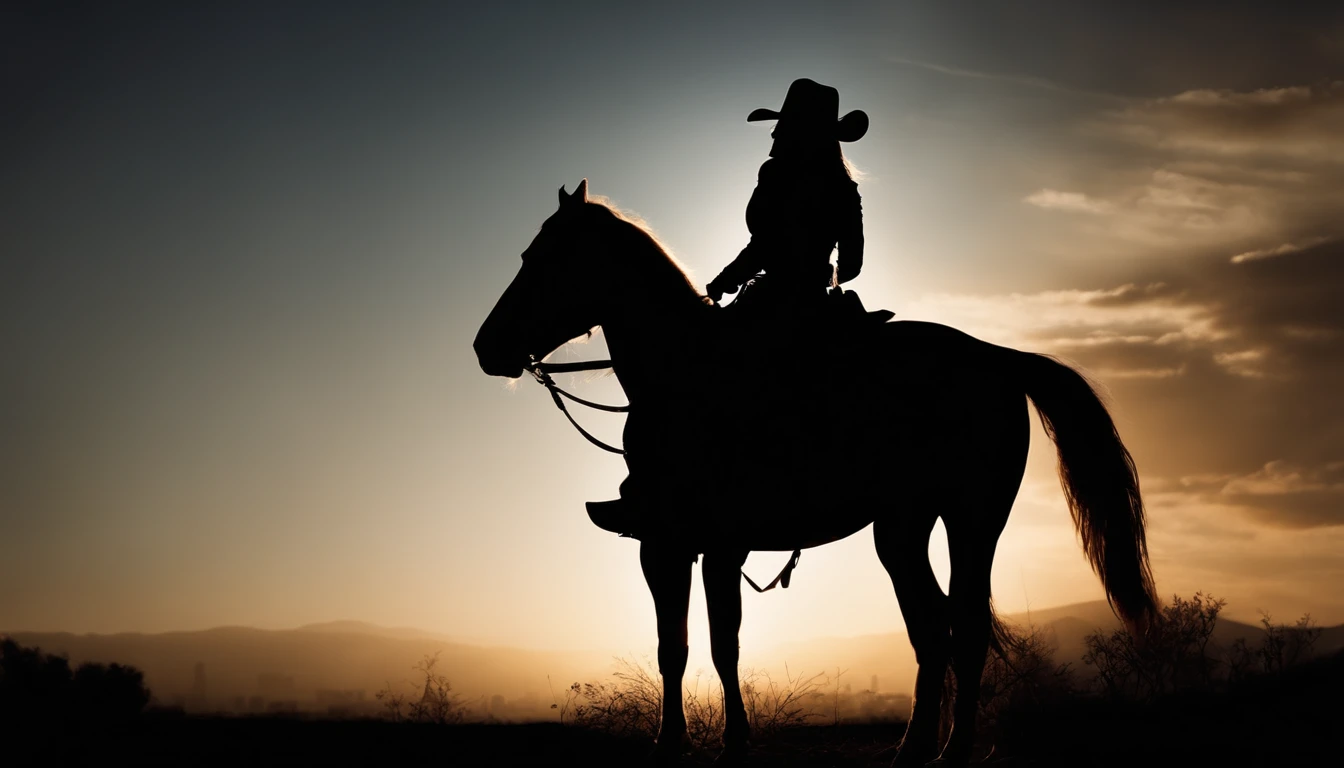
(650,325)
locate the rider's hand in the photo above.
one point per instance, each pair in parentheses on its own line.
(717,288)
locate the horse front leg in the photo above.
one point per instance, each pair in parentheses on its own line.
(723,598)
(668,574)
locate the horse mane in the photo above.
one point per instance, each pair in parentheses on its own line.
(640,230)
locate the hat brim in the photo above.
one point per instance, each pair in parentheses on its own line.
(851,127)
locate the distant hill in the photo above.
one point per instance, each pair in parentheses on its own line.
(1071,624)
(365,628)
(891,659)
(295,664)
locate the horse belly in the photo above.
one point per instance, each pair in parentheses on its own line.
(790,485)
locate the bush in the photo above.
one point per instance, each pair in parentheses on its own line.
(37,687)
(1024,676)
(430,701)
(1174,655)
(1281,648)
(1177,653)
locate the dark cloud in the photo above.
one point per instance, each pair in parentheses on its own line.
(1260,384)
(1303,122)
(1220,370)
(1143,48)
(1281,493)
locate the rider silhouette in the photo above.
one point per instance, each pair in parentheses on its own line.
(806,203)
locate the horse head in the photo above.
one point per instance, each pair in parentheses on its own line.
(557,294)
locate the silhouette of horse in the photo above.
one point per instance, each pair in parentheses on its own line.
(930,423)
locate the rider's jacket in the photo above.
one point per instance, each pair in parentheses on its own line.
(797,215)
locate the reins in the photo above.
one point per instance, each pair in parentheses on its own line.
(542,373)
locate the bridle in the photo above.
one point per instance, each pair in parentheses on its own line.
(542,373)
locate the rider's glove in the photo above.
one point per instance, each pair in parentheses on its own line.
(718,287)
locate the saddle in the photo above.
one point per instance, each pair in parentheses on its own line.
(839,307)
(766,479)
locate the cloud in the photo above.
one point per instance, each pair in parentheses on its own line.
(1299,122)
(1222,341)
(1002,77)
(1281,493)
(1066,201)
(1283,477)
(1278,250)
(1254,173)
(1062,320)
(1219,366)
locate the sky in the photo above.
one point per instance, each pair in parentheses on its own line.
(246,247)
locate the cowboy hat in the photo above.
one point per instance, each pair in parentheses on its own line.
(812,106)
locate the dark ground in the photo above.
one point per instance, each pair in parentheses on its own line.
(1293,719)
(1213,737)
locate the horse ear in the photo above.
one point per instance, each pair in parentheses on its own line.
(581,194)
(564,196)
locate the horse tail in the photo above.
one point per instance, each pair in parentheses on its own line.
(1100,484)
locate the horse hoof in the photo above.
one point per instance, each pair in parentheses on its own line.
(664,753)
(907,757)
(734,754)
(952,757)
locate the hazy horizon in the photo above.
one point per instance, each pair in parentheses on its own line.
(312,669)
(247,248)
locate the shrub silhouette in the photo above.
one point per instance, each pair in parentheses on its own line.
(1023,677)
(37,687)
(1174,655)
(431,701)
(1281,648)
(1178,655)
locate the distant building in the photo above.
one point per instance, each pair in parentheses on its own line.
(198,700)
(344,703)
(275,686)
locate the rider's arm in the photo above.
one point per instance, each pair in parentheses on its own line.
(746,265)
(749,260)
(849,259)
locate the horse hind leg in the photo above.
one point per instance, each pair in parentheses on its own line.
(972,623)
(974,525)
(904,552)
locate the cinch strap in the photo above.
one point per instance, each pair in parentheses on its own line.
(782,580)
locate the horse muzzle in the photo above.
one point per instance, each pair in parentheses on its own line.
(508,366)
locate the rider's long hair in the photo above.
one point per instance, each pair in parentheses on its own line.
(822,158)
